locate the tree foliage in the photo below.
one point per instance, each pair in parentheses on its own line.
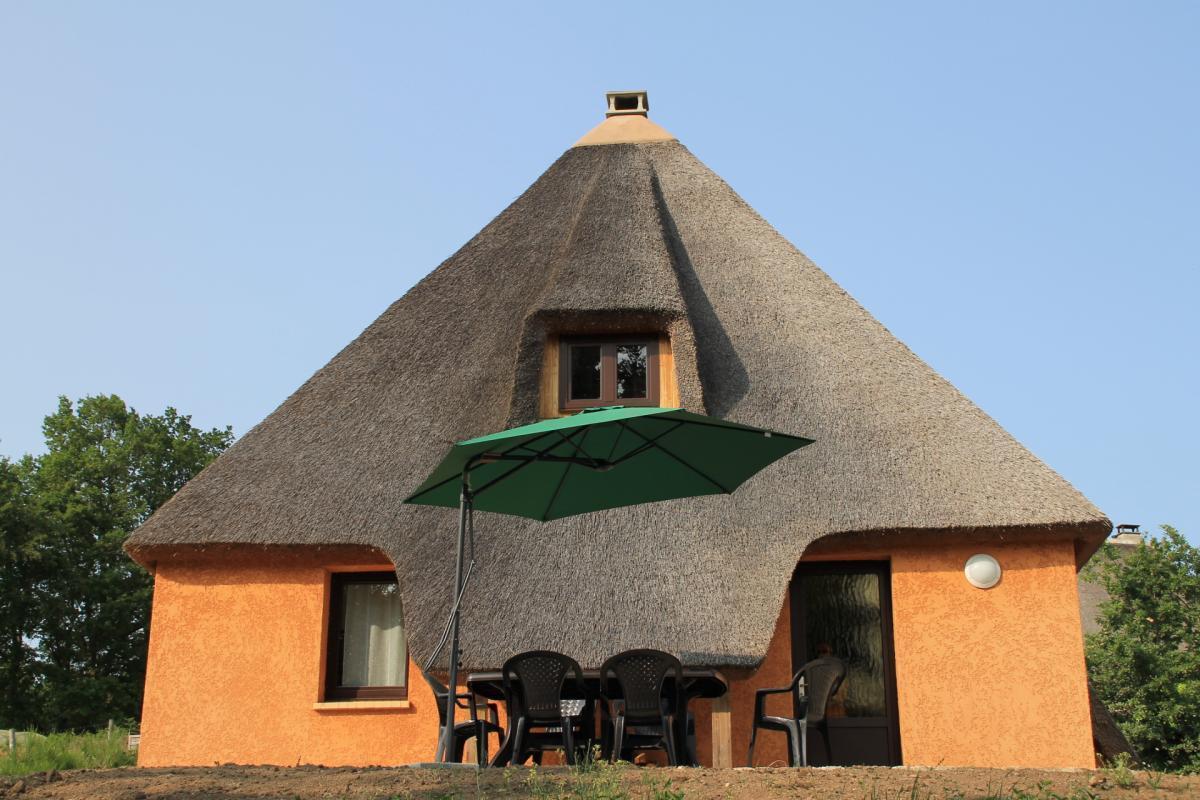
(21,535)
(80,604)
(1145,659)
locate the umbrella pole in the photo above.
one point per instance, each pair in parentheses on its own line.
(445,749)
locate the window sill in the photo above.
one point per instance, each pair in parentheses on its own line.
(361,705)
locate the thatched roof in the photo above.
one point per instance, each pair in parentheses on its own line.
(626,230)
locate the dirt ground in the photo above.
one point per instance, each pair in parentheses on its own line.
(604,783)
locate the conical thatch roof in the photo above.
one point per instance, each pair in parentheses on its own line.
(626,230)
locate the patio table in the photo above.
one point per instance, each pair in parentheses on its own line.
(698,683)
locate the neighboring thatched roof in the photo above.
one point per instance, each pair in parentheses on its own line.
(1092,593)
(626,230)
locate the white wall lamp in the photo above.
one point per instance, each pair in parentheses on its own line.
(982,571)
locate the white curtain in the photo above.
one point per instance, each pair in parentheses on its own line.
(375,651)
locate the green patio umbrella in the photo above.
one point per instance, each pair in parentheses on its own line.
(597,459)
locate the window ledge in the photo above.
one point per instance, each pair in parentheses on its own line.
(361,705)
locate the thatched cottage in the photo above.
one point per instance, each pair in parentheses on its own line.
(295,593)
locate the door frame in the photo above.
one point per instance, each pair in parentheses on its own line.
(884,570)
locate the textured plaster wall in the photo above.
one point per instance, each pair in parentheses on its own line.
(776,670)
(984,678)
(992,677)
(235,666)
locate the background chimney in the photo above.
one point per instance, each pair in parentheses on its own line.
(1127,534)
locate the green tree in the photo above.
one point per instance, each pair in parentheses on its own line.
(21,530)
(1145,659)
(106,469)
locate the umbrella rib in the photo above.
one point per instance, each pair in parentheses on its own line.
(522,444)
(733,426)
(699,472)
(649,444)
(526,462)
(616,441)
(527,442)
(579,451)
(563,478)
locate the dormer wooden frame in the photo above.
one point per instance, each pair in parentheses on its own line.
(550,382)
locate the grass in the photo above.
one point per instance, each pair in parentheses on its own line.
(1043,791)
(59,751)
(1120,770)
(593,778)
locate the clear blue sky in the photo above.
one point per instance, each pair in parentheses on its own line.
(201,203)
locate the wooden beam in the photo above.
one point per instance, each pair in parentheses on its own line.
(722,733)
(548,386)
(668,384)
(470,751)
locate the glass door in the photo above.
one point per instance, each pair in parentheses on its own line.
(843,609)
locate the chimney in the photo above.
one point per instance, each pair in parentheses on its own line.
(633,102)
(1127,534)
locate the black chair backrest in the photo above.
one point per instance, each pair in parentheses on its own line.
(540,677)
(440,693)
(640,674)
(822,677)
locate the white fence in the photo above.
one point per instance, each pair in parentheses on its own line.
(10,738)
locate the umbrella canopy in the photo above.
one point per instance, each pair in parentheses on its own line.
(603,458)
(600,458)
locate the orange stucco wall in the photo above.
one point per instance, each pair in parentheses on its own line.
(990,677)
(235,666)
(984,678)
(776,670)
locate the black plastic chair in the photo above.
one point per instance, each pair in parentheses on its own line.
(811,688)
(535,688)
(475,728)
(632,685)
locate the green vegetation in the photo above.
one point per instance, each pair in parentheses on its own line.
(73,607)
(1043,791)
(592,779)
(1120,771)
(59,751)
(1145,659)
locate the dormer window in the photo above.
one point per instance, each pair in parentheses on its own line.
(619,370)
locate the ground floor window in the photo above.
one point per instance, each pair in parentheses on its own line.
(367,650)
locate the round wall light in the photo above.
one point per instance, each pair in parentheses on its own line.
(982,571)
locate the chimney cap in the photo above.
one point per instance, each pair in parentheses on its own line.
(635,101)
(1127,535)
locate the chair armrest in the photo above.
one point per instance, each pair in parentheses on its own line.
(472,702)
(760,700)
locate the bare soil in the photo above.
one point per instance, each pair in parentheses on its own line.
(605,783)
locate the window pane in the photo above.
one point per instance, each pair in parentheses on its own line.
(631,370)
(844,619)
(374,652)
(585,372)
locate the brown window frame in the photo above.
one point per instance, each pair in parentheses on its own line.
(608,371)
(335,638)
